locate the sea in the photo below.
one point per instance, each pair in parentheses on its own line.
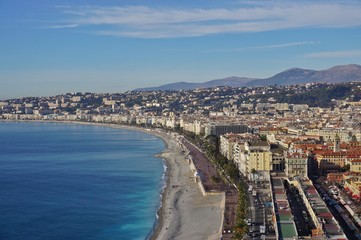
(78,182)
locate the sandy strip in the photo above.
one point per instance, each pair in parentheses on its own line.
(185,212)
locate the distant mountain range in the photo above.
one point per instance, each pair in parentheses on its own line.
(342,73)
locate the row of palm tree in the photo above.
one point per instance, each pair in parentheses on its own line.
(240,228)
(231,172)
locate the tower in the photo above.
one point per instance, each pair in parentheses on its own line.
(336,146)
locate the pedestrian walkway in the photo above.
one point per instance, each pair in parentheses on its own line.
(206,171)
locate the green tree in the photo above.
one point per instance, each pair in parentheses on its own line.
(263,137)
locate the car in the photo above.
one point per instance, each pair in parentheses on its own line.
(249,222)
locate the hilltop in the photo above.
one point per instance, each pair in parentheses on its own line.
(293,76)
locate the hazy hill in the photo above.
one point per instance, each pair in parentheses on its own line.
(288,77)
(342,73)
(230,81)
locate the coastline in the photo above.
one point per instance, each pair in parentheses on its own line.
(184,213)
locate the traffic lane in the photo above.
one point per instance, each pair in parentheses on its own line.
(257,213)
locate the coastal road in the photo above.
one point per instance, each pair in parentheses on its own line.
(256,211)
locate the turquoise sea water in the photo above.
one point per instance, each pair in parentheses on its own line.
(68,181)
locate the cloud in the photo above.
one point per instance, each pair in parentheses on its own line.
(64,26)
(156,22)
(282,45)
(335,54)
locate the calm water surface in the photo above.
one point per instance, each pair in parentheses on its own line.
(67,181)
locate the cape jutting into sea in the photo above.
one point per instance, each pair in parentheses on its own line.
(69,181)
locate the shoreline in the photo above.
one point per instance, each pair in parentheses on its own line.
(182,208)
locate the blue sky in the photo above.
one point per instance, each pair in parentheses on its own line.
(52,47)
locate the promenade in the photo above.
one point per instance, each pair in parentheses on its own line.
(206,171)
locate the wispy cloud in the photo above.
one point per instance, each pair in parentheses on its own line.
(335,54)
(150,22)
(282,45)
(64,26)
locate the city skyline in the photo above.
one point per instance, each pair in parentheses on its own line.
(283,140)
(51,48)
